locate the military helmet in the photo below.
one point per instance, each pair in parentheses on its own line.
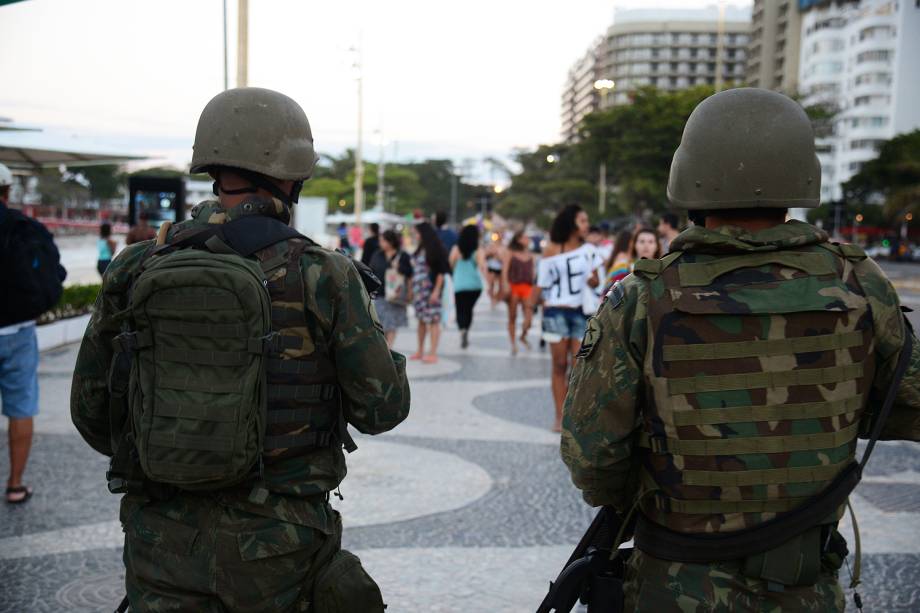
(6,177)
(255,129)
(746,148)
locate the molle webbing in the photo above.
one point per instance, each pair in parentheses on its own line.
(198,412)
(193,442)
(301,393)
(766,476)
(776,412)
(192,356)
(763,348)
(700,274)
(181,328)
(755,380)
(745,445)
(189,383)
(707,507)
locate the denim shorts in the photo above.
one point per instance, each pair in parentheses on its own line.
(560,323)
(19,373)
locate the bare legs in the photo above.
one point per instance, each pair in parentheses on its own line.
(391,337)
(527,310)
(422,333)
(20,437)
(423,330)
(432,356)
(563,355)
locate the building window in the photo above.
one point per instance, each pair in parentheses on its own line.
(876,55)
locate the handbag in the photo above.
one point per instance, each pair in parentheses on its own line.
(396,288)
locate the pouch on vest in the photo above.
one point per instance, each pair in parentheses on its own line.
(343,586)
(197,397)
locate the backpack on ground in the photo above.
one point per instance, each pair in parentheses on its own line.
(31,269)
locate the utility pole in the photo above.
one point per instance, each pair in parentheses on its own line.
(720,45)
(242,49)
(381,192)
(603,86)
(359,162)
(226,84)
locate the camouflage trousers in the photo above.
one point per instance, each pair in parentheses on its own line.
(663,586)
(192,553)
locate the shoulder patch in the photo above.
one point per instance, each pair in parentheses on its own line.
(615,295)
(592,336)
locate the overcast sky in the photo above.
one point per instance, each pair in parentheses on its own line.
(442,79)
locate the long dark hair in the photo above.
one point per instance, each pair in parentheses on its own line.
(564,224)
(621,245)
(468,241)
(515,243)
(393,238)
(432,246)
(105,230)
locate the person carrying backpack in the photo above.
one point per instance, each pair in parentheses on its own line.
(31,271)
(239,351)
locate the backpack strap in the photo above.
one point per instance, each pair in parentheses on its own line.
(653,268)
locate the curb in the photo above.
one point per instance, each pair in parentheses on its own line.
(61,332)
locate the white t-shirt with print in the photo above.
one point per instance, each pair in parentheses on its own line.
(565,276)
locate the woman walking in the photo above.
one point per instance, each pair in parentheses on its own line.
(517,279)
(468,265)
(106,248)
(567,269)
(429,264)
(393,267)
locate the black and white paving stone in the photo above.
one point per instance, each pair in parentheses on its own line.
(465,507)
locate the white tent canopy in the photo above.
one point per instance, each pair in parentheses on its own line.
(380,217)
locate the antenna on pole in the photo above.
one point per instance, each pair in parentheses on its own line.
(720,45)
(359,162)
(226,85)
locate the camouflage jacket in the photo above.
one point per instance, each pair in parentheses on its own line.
(603,409)
(372,380)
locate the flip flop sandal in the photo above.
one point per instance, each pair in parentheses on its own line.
(19,489)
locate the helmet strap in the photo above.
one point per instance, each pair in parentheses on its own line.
(259,181)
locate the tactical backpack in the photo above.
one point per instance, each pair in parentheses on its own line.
(223,382)
(31,269)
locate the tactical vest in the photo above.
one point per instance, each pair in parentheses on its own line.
(757,371)
(303,397)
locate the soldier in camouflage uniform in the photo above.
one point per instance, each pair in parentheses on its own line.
(721,387)
(230,550)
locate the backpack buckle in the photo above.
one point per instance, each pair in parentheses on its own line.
(658,443)
(662,502)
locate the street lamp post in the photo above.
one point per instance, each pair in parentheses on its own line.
(858,220)
(603,86)
(359,161)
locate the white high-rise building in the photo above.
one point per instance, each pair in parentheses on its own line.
(861,57)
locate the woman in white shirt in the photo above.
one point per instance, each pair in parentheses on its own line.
(566,271)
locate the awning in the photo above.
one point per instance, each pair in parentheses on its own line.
(31,150)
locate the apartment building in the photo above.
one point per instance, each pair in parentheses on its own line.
(773,52)
(860,58)
(668,49)
(578,95)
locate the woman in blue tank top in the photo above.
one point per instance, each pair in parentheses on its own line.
(106,247)
(468,267)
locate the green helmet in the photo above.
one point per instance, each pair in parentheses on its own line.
(255,129)
(746,148)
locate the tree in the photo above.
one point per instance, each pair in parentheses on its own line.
(637,141)
(551,176)
(106,181)
(893,177)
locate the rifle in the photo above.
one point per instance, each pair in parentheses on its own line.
(591,575)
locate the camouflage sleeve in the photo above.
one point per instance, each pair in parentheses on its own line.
(601,409)
(89,395)
(373,380)
(904,421)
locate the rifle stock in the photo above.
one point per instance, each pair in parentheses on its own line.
(589,574)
